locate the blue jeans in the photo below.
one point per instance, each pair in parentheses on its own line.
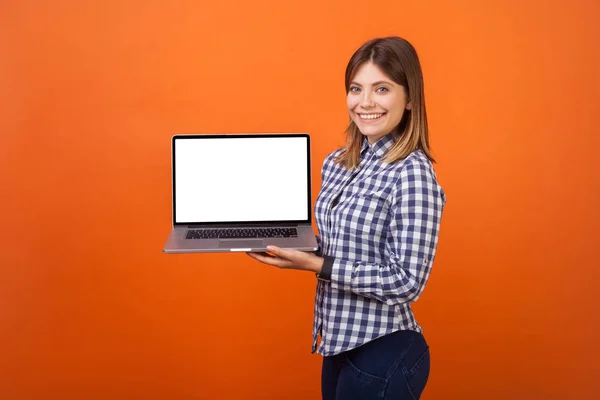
(394,366)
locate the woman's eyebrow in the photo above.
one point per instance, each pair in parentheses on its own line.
(374,83)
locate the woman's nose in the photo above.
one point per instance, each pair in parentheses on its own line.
(367,100)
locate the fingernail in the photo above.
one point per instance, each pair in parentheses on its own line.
(269,248)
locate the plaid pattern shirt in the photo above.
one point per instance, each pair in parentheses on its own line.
(379,223)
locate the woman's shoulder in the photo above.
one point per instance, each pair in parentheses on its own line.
(417,172)
(416,163)
(329,161)
(415,159)
(335,153)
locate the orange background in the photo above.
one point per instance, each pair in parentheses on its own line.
(90,94)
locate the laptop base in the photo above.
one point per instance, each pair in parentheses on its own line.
(177,243)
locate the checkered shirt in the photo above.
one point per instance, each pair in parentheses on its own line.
(382,235)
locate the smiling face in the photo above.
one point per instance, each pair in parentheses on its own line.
(375,102)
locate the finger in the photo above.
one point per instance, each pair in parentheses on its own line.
(258,256)
(266,259)
(275,261)
(253,254)
(279,252)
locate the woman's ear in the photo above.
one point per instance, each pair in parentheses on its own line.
(409,106)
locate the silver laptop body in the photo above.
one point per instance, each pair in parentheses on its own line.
(240,192)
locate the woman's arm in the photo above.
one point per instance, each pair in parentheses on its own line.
(412,237)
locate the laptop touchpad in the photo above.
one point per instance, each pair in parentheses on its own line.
(241,243)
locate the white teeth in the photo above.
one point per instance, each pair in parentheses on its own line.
(370,116)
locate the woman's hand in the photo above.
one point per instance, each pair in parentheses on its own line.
(290,259)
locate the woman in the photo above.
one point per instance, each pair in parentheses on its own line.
(378,215)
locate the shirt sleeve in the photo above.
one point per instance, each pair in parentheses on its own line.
(416,205)
(319,251)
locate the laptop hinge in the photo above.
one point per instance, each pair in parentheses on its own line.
(241,225)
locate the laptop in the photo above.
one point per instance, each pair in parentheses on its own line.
(241,192)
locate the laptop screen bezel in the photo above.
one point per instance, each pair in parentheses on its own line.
(234,136)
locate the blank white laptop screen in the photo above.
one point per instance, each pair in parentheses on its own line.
(241,179)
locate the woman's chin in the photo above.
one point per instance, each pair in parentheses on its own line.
(372,135)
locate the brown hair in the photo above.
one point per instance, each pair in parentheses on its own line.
(398,59)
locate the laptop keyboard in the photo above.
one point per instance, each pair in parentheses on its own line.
(222,233)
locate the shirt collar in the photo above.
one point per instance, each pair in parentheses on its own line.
(380,146)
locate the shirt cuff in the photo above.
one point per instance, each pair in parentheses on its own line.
(325,274)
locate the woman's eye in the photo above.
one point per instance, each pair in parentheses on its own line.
(354,89)
(382,89)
